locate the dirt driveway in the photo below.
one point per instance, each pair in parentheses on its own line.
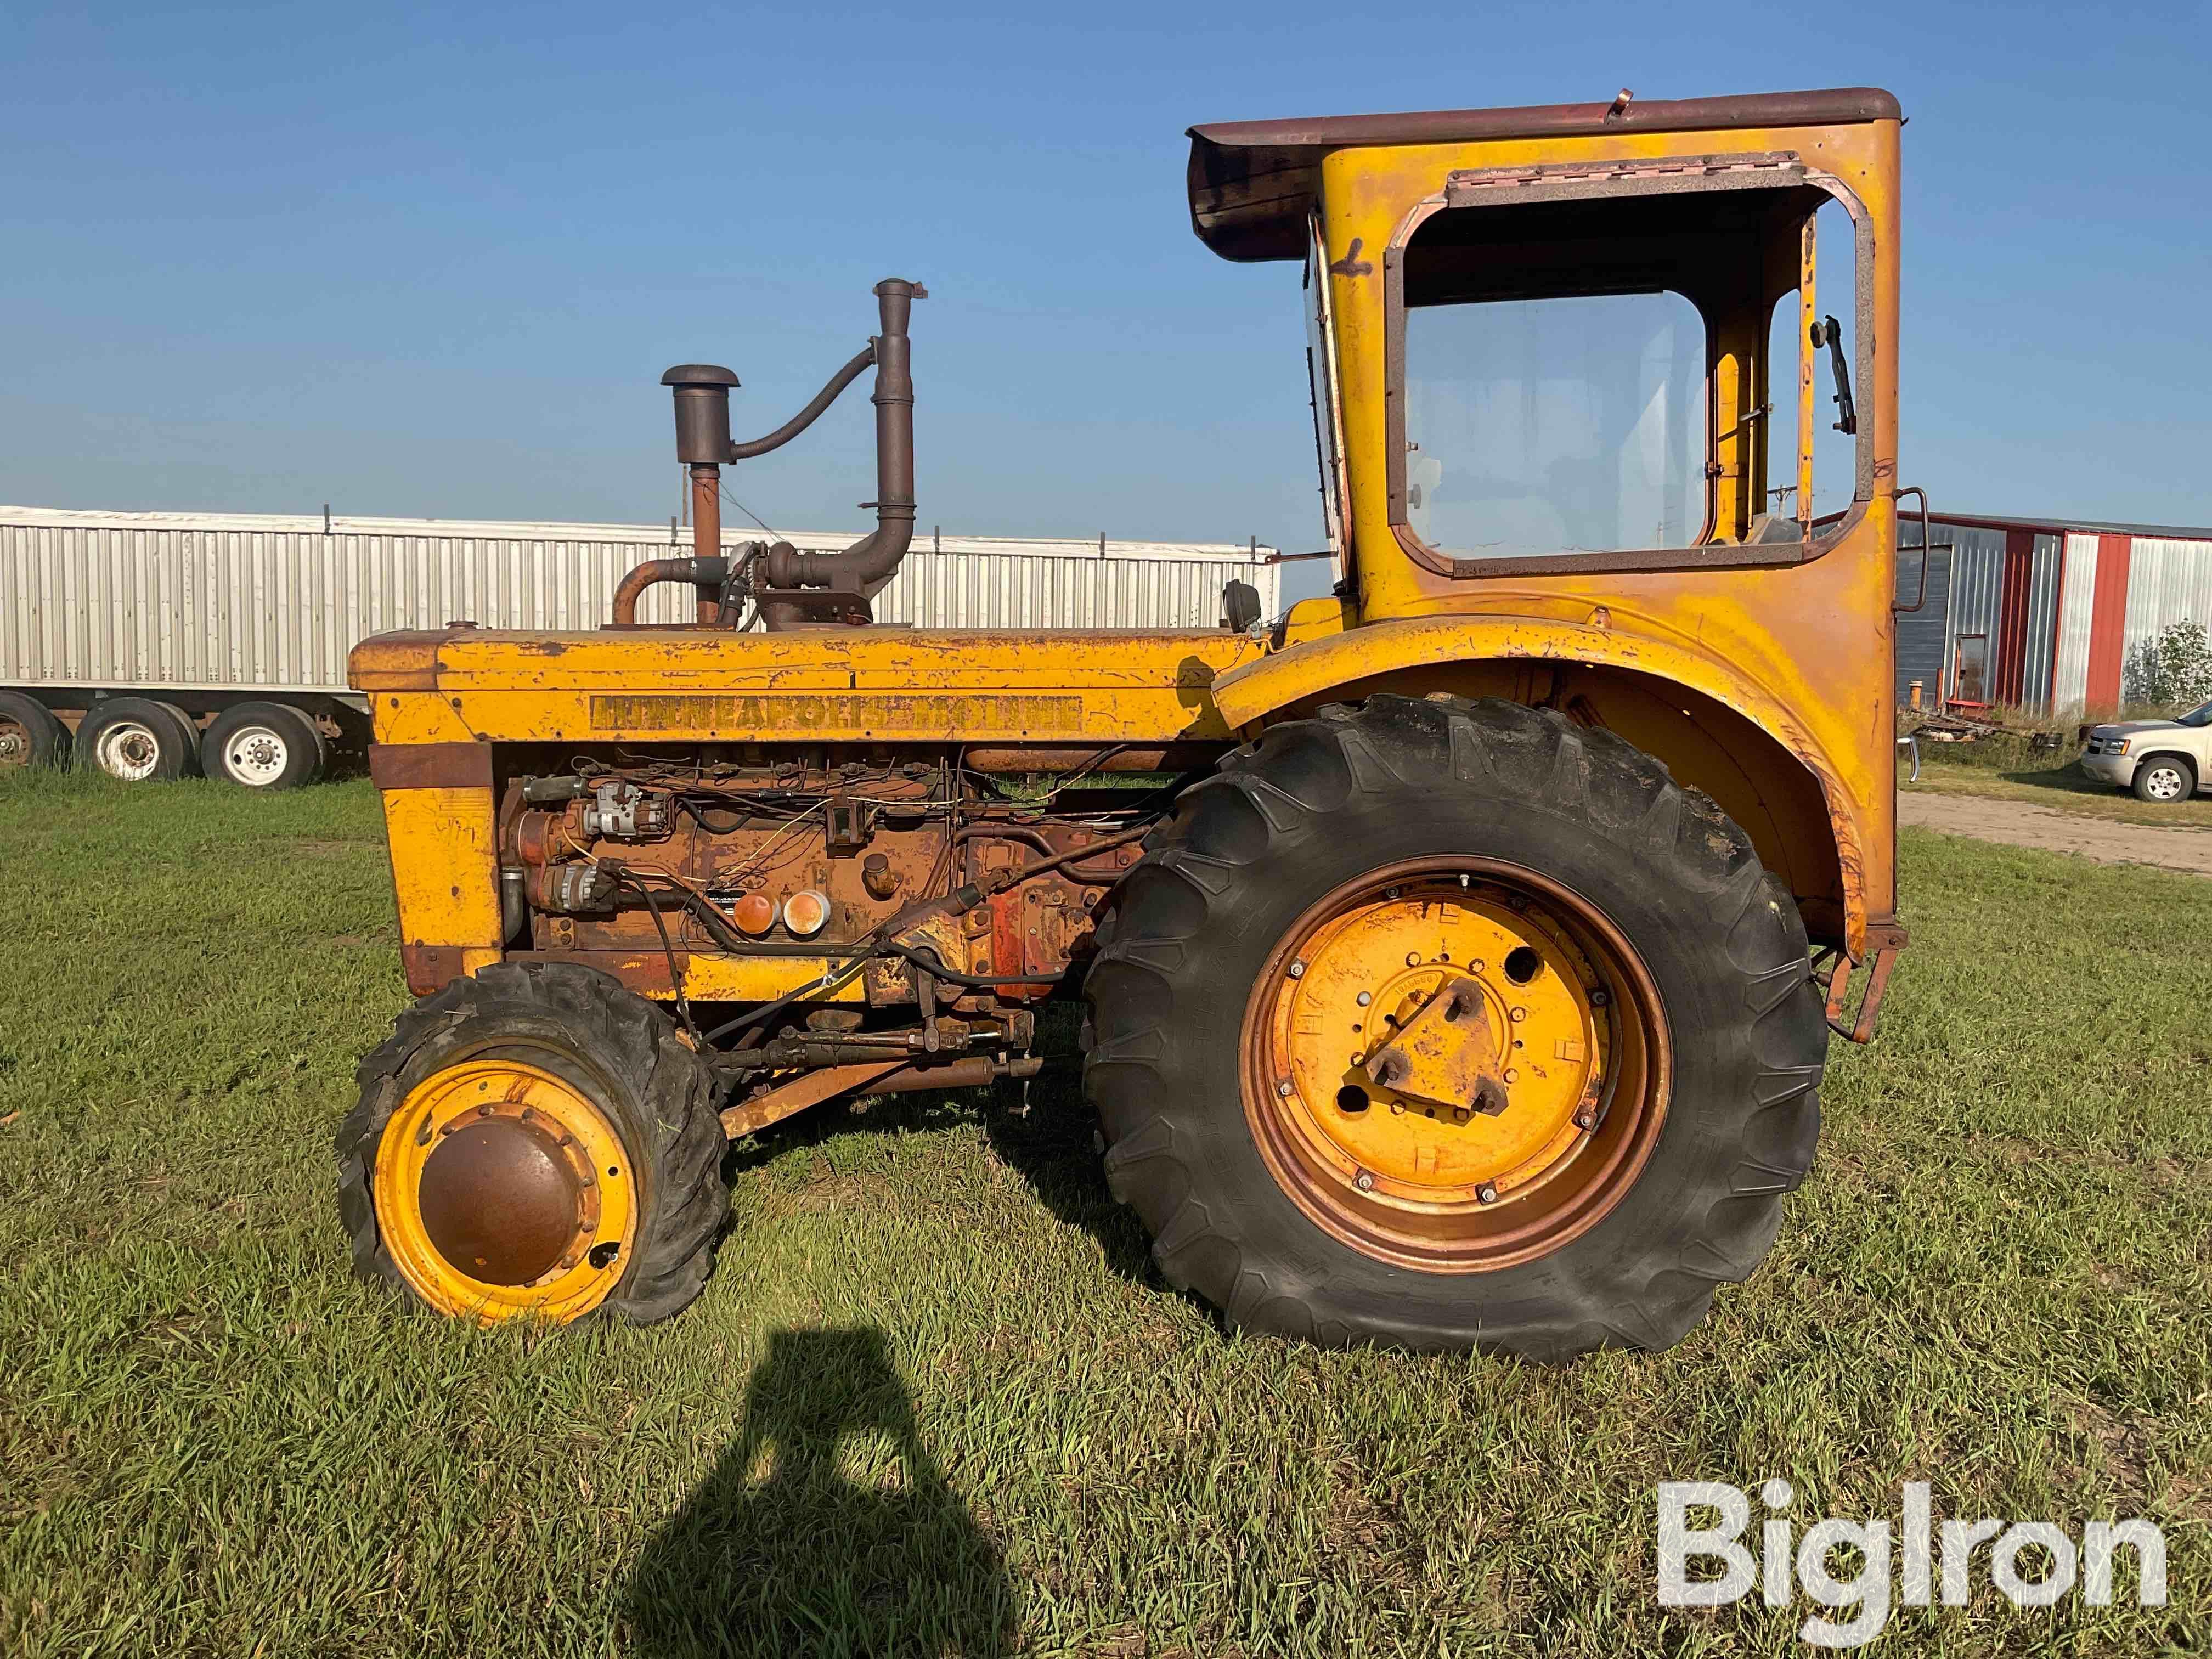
(2023,824)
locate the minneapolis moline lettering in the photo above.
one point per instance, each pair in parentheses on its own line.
(927,714)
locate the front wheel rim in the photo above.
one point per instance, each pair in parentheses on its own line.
(503,1190)
(2166,783)
(14,742)
(1577,1035)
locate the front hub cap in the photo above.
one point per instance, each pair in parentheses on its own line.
(1455,1064)
(501,1189)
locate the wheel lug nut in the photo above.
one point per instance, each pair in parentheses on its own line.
(1413,959)
(1512,1076)
(1298,970)
(1365,1181)
(1284,1088)
(1599,999)
(1363,998)
(1389,892)
(1486,1193)
(1519,1014)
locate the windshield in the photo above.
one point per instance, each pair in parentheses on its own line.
(1542,427)
(2200,716)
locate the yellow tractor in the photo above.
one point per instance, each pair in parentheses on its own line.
(1461,973)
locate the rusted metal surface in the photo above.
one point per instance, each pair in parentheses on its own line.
(1253,185)
(402,660)
(1442,1052)
(706,535)
(1403,1180)
(1883,943)
(643,971)
(879,1078)
(705,572)
(430,765)
(430,968)
(1069,758)
(14,741)
(790,870)
(499,1199)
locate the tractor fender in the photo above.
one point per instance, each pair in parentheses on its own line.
(1352,662)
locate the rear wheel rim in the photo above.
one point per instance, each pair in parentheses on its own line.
(503,1190)
(14,742)
(1411,1180)
(130,749)
(257,755)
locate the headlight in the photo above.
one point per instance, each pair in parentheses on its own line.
(2116,745)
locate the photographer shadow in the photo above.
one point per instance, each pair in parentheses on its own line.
(828,1529)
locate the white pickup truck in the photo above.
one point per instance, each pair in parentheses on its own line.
(2159,760)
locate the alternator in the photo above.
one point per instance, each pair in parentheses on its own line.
(570,888)
(623,812)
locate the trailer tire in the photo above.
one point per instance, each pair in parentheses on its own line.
(1200,945)
(137,740)
(30,735)
(576,1054)
(263,745)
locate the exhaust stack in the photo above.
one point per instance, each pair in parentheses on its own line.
(794,589)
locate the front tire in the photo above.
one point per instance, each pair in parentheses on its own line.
(534,1141)
(2163,780)
(1645,1147)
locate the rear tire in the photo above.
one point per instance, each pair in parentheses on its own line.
(29,733)
(2162,779)
(1197,936)
(137,740)
(595,1051)
(263,745)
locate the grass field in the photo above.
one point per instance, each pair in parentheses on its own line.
(2067,788)
(934,1401)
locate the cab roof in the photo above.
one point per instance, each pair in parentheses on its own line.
(1254,183)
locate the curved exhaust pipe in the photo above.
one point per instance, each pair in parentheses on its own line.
(803,587)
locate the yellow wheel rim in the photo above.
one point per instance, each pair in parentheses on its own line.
(1455,1064)
(502,1190)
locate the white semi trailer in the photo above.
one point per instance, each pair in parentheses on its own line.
(162,645)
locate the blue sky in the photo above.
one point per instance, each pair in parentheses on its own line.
(433,263)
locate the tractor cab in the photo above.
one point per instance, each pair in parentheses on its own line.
(1594,338)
